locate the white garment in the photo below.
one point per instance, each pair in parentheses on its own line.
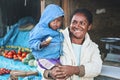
(77,50)
(90,57)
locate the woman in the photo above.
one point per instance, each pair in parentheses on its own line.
(81,58)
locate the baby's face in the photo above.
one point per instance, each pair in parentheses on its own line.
(55,24)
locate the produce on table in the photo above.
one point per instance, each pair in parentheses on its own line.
(4,71)
(30,56)
(12,54)
(35,63)
(25,57)
(31,62)
(25,61)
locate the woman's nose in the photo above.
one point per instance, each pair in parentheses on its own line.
(77,25)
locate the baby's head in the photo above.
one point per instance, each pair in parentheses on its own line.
(52,16)
(56,23)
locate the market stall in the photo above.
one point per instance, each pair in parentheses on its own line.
(15,54)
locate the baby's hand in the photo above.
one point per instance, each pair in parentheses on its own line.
(48,39)
(46,42)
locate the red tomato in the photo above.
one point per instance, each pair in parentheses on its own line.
(15,57)
(10,53)
(20,58)
(19,52)
(5,53)
(1,73)
(19,55)
(2,69)
(9,56)
(24,54)
(13,51)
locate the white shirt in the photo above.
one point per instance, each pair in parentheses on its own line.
(77,51)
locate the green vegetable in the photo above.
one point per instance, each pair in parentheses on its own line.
(35,63)
(25,61)
(31,62)
(30,56)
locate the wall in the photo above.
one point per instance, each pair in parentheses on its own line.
(106,18)
(12,11)
(52,2)
(1,25)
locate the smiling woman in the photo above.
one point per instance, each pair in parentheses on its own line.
(81,56)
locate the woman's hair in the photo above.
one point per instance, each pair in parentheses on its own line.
(84,11)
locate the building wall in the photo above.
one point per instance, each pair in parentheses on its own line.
(52,2)
(106,18)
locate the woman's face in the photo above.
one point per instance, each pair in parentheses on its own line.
(55,24)
(79,26)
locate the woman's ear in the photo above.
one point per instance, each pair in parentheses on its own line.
(89,27)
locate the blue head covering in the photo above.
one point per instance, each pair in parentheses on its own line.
(50,13)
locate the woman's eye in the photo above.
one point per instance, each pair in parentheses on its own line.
(74,22)
(83,23)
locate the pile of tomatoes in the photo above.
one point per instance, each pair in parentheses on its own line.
(12,54)
(4,71)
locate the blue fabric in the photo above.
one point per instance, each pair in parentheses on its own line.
(15,36)
(16,65)
(9,37)
(4,77)
(22,39)
(1,39)
(41,31)
(30,78)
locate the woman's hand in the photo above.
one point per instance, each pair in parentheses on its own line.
(63,72)
(67,70)
(57,74)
